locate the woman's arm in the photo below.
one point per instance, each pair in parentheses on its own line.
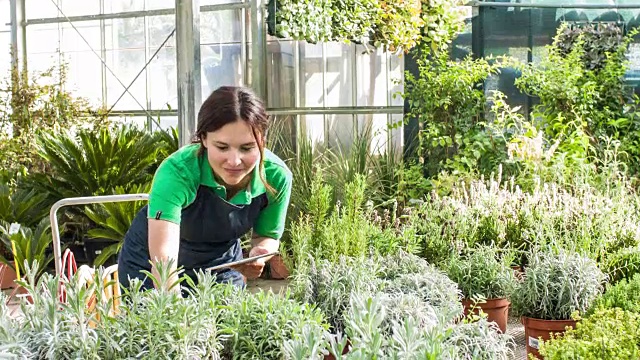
(266,243)
(259,245)
(164,243)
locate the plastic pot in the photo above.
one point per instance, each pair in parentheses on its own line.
(497,311)
(538,329)
(278,270)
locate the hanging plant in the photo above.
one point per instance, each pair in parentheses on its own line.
(308,20)
(355,20)
(399,27)
(395,25)
(443,20)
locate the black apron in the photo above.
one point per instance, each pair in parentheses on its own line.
(210,231)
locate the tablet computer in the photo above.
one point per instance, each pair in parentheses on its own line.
(240,262)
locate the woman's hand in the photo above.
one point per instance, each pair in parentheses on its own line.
(253,270)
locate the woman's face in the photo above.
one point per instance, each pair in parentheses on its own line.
(232,152)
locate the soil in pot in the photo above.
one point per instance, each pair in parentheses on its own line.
(7,277)
(497,311)
(535,329)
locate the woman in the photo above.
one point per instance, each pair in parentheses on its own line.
(207,195)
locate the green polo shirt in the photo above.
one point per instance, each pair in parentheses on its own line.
(178,178)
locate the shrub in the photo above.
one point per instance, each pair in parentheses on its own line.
(556,285)
(607,334)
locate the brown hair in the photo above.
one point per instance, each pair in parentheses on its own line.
(229,104)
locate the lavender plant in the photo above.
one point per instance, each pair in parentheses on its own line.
(12,343)
(483,271)
(157,323)
(329,285)
(583,219)
(368,339)
(259,324)
(556,285)
(409,274)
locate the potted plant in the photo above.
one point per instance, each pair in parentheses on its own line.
(27,244)
(20,206)
(484,274)
(277,268)
(556,285)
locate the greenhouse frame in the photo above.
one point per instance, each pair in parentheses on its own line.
(371,179)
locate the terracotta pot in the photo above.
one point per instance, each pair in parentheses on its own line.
(535,329)
(497,311)
(7,277)
(278,269)
(344,351)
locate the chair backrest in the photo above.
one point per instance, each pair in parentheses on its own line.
(112,289)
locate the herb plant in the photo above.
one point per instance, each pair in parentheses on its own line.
(482,271)
(607,334)
(624,295)
(261,323)
(369,339)
(409,274)
(329,285)
(556,285)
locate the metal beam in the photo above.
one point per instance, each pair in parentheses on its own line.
(284,111)
(477,3)
(133,14)
(188,67)
(338,110)
(258,49)
(18,35)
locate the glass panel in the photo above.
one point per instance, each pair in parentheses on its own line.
(311,76)
(340,131)
(115,6)
(126,64)
(5,55)
(40,9)
(124,33)
(461,46)
(377,127)
(313,127)
(216,2)
(281,74)
(507,37)
(163,81)
(221,65)
(139,121)
(79,7)
(159,28)
(281,135)
(166,122)
(72,39)
(221,26)
(372,77)
(5,15)
(84,75)
(43,38)
(397,134)
(37,63)
(396,79)
(160,4)
(339,79)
